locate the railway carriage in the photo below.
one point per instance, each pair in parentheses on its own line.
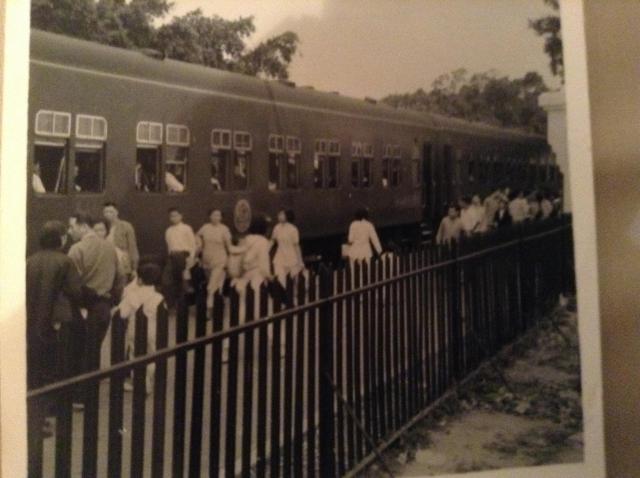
(150,133)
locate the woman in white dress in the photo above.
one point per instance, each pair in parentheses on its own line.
(288,257)
(215,242)
(362,235)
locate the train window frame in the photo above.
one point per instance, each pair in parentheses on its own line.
(367,163)
(356,158)
(96,147)
(179,128)
(334,153)
(60,143)
(222,151)
(293,150)
(157,148)
(148,140)
(276,145)
(241,151)
(52,133)
(94,120)
(319,156)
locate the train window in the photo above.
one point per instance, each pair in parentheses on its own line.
(416,163)
(319,159)
(242,157)
(178,135)
(356,157)
(331,171)
(386,173)
(91,127)
(175,168)
(276,158)
(53,123)
(147,168)
(396,175)
(49,167)
(220,157)
(367,163)
(88,170)
(148,132)
(294,151)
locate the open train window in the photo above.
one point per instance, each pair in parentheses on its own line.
(325,163)
(177,155)
(88,167)
(242,145)
(148,156)
(396,166)
(276,159)
(356,158)
(220,158)
(49,167)
(416,163)
(50,153)
(147,168)
(294,152)
(472,167)
(366,172)
(88,170)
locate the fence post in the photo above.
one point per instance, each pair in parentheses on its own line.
(325,391)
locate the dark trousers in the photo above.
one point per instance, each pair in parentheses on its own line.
(86,337)
(172,278)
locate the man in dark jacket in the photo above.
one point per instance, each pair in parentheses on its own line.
(53,291)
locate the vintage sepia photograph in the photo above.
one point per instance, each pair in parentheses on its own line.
(300,238)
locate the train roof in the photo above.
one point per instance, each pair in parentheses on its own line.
(50,48)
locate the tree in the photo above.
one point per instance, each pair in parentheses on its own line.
(193,37)
(484,97)
(549,28)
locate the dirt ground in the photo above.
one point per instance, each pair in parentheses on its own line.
(536,420)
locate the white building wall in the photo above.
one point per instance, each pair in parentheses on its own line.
(555,105)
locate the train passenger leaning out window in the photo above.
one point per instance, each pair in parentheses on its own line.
(288,257)
(362,235)
(174,178)
(214,242)
(450,228)
(36,180)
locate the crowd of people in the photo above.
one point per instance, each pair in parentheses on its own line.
(501,208)
(89,271)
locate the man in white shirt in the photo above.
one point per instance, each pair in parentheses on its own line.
(36,181)
(181,247)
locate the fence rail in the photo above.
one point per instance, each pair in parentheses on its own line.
(310,388)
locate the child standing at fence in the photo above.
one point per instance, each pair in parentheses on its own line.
(142,293)
(450,228)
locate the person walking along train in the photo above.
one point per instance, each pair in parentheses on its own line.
(181,249)
(450,228)
(123,236)
(288,256)
(362,235)
(214,243)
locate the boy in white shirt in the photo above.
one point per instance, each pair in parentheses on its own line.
(181,246)
(141,293)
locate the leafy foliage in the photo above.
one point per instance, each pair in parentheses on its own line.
(549,28)
(484,97)
(193,37)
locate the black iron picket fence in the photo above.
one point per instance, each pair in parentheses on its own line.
(310,388)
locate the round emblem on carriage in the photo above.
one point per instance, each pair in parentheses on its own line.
(242,215)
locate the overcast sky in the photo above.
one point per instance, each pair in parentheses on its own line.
(376,47)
